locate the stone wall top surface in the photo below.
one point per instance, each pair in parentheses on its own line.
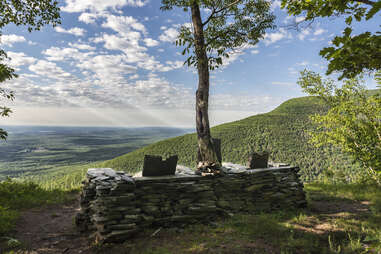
(185,173)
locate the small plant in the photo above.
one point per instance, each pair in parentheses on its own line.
(354,243)
(13,243)
(332,245)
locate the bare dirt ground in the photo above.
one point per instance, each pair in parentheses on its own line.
(51,229)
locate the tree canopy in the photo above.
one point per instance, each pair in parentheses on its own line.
(230,24)
(349,55)
(353,121)
(31,13)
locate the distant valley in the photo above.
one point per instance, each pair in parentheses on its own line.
(35,150)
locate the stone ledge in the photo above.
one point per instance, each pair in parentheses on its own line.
(116,205)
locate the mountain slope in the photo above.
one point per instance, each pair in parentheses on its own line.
(282,131)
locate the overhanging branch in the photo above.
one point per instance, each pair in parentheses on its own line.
(366,2)
(222,9)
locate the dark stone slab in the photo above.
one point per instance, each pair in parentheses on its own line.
(156,166)
(258,160)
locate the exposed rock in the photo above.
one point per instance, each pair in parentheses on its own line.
(231,168)
(258,160)
(155,166)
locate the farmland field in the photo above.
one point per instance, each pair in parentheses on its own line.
(36,150)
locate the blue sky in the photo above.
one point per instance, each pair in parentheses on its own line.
(114,63)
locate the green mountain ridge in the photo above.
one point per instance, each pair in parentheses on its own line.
(283,132)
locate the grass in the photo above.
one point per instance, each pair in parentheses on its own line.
(16,196)
(354,191)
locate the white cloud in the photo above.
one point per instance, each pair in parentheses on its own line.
(50,70)
(171,65)
(10,39)
(299,19)
(81,46)
(150,42)
(99,5)
(271,38)
(60,54)
(320,31)
(303,34)
(74,31)
(169,35)
(275,4)
(88,18)
(303,63)
(135,76)
(293,20)
(150,93)
(129,45)
(107,68)
(18,59)
(255,51)
(123,24)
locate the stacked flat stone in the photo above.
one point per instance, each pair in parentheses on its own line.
(116,206)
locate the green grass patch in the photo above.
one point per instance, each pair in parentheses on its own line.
(354,192)
(16,196)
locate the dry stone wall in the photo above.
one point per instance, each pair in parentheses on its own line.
(116,206)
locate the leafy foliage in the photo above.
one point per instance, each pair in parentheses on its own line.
(6,73)
(353,121)
(230,24)
(350,55)
(31,13)
(34,15)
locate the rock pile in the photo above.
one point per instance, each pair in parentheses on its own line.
(116,206)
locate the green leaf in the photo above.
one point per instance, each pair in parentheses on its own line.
(376,8)
(348,20)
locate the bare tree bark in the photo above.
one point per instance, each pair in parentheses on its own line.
(205,143)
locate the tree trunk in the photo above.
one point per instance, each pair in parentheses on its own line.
(205,143)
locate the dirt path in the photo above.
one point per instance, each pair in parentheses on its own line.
(51,229)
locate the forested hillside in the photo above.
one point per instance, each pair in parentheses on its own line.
(282,132)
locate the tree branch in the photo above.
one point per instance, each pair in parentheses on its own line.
(366,2)
(209,18)
(222,9)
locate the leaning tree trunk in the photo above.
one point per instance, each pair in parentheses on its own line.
(205,144)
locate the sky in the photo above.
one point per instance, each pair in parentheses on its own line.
(114,63)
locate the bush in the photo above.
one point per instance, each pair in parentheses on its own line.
(7,219)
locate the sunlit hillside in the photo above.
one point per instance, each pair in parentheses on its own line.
(282,131)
